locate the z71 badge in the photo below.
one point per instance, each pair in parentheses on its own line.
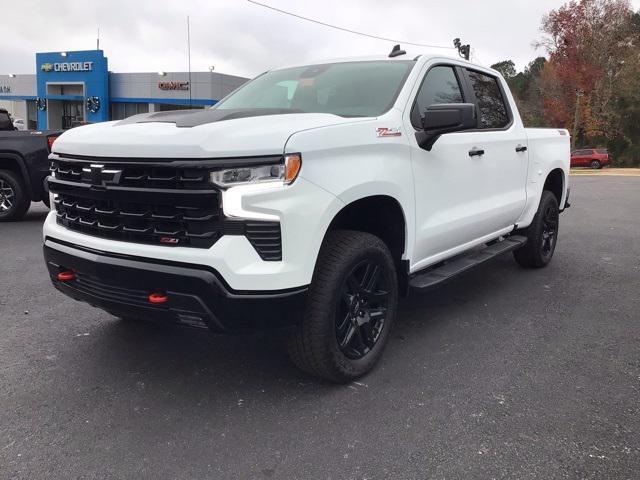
(388,132)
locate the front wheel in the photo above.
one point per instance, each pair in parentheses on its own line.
(596,165)
(14,200)
(351,307)
(542,234)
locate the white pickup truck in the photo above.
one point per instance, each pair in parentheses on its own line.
(313,198)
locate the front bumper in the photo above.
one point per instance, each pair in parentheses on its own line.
(196,295)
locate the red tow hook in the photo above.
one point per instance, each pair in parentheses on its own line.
(66,275)
(158,297)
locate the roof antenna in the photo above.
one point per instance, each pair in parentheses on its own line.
(396,52)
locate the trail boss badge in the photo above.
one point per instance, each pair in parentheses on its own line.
(388,132)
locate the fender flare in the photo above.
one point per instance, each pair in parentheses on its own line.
(23,169)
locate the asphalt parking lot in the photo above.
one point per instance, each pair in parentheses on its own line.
(502,373)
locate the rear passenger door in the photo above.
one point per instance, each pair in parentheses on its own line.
(503,138)
(581,158)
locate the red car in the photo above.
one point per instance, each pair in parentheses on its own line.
(590,157)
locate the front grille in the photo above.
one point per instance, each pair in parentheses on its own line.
(170,204)
(139,175)
(187,309)
(93,286)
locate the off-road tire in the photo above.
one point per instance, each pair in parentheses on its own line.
(20,200)
(537,252)
(313,345)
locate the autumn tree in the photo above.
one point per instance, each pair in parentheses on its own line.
(591,46)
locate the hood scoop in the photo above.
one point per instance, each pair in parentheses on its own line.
(195,117)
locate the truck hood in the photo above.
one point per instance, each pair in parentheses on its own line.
(193,134)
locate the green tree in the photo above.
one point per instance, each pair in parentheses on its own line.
(526,89)
(507,68)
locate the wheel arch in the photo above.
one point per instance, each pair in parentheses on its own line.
(384,217)
(555,183)
(15,163)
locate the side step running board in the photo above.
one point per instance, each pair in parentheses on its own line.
(443,272)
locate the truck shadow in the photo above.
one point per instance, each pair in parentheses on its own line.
(37,213)
(196,363)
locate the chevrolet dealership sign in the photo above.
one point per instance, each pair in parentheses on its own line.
(67,67)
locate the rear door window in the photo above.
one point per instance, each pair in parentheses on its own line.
(492,109)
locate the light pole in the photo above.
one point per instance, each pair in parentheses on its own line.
(211,69)
(576,119)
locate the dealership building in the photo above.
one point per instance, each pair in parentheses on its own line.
(73,88)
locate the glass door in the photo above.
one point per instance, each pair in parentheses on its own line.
(72,114)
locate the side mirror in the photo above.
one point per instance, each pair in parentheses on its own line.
(445,118)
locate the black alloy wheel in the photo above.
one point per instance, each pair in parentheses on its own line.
(361,312)
(7,196)
(14,199)
(549,230)
(351,306)
(542,234)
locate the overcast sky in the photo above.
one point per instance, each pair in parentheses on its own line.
(241,38)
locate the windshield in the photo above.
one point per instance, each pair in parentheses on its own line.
(353,89)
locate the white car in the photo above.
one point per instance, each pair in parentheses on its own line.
(312,197)
(19,124)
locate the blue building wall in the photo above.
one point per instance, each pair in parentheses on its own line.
(87,66)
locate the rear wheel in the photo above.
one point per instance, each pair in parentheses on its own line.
(595,164)
(351,307)
(542,234)
(14,201)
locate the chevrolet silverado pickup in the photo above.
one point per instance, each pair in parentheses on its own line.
(312,198)
(24,168)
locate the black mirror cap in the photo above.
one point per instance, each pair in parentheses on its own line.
(445,118)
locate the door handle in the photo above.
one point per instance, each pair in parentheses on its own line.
(521,148)
(475,152)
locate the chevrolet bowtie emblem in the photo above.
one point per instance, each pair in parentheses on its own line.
(98,175)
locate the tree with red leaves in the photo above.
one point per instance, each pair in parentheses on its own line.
(589,43)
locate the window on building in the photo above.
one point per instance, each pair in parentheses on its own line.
(165,107)
(492,109)
(440,85)
(121,110)
(32,115)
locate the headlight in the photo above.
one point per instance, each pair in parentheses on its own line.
(285,172)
